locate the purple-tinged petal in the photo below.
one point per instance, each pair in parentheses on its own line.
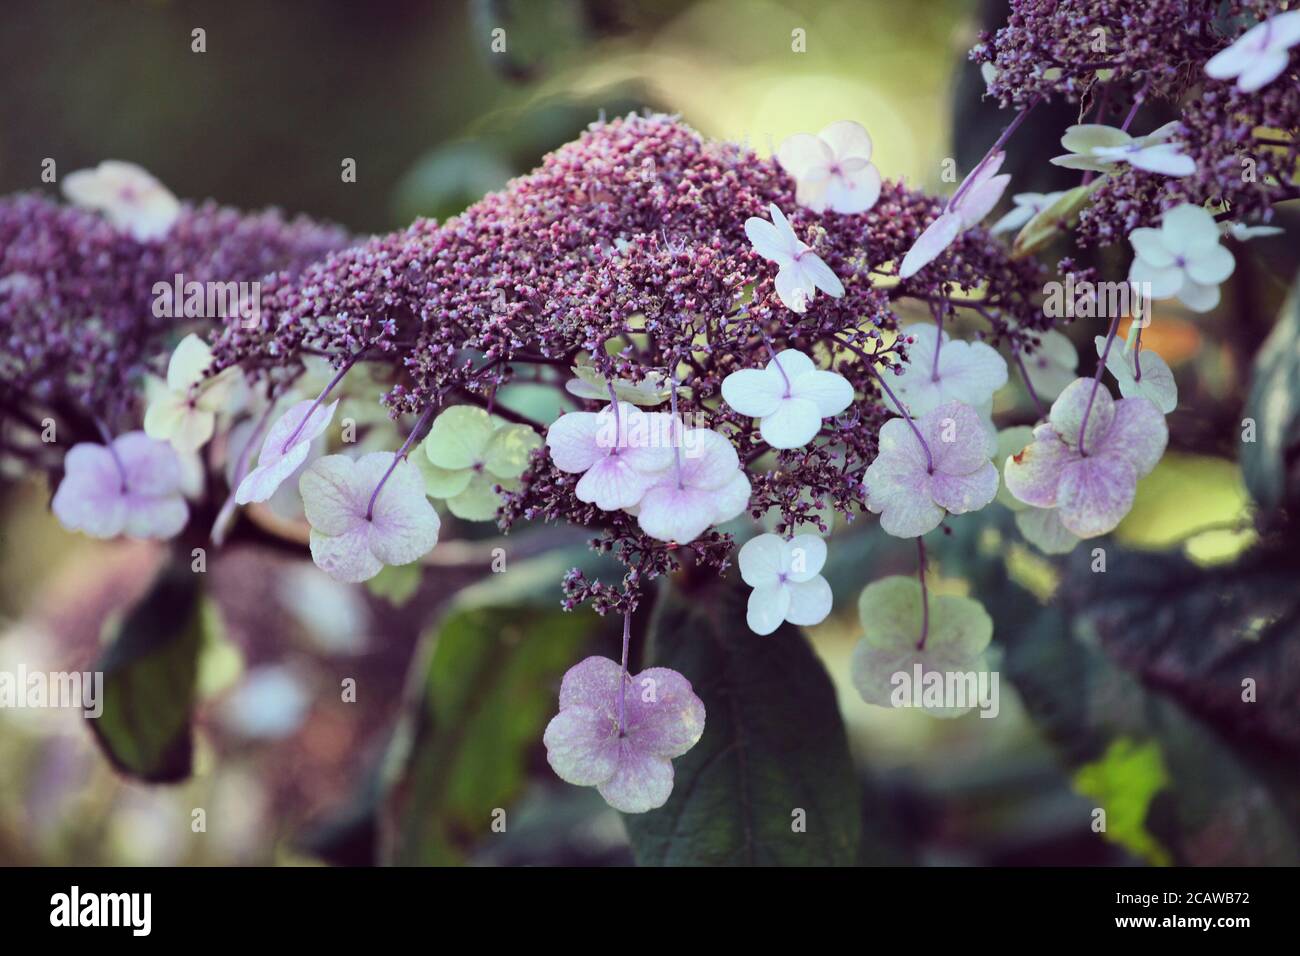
(1073,403)
(1138,434)
(612,484)
(962,493)
(582,746)
(709,459)
(664,716)
(642,782)
(592,683)
(155,516)
(572,441)
(265,480)
(345,557)
(1034,475)
(1095,494)
(732,499)
(670,513)
(938,236)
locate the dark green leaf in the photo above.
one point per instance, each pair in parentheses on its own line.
(149,677)
(1197,633)
(773,745)
(1271,463)
(1151,653)
(487,682)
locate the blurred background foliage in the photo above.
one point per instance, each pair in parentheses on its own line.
(453,681)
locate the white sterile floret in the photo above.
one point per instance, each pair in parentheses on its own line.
(800,271)
(833,169)
(786,579)
(1026,207)
(129,197)
(1260,55)
(1182,258)
(790,395)
(967,372)
(1102,149)
(183,409)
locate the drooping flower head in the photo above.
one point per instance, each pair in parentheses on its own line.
(900,637)
(631,767)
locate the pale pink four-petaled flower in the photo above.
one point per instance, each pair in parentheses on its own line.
(356,532)
(618,455)
(832,170)
(914,486)
(678,481)
(632,767)
(1092,486)
(131,487)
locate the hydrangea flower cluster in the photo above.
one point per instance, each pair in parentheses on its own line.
(724,333)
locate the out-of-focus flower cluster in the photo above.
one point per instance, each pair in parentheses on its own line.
(77,317)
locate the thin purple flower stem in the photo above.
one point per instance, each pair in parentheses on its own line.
(622,681)
(105,434)
(1137,356)
(870,364)
(241,470)
(401,454)
(772,352)
(618,428)
(1029,386)
(1137,102)
(319,398)
(1096,382)
(925,596)
(938,340)
(676,423)
(1001,141)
